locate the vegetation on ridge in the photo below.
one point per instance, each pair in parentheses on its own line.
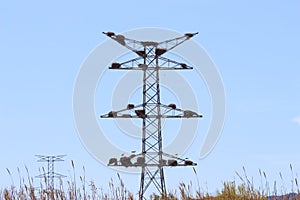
(70,190)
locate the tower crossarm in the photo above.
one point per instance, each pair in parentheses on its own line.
(43,158)
(137,64)
(136,46)
(136,160)
(136,111)
(139,47)
(167,45)
(54,175)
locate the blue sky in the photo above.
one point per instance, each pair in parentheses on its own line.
(254,44)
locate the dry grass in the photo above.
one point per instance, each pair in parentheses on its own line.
(70,190)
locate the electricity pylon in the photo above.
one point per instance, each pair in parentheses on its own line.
(50,173)
(150,61)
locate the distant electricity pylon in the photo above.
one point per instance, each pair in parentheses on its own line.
(50,173)
(152,159)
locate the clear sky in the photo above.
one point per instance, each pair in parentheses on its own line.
(254,44)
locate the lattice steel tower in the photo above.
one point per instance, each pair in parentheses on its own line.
(152,159)
(50,173)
